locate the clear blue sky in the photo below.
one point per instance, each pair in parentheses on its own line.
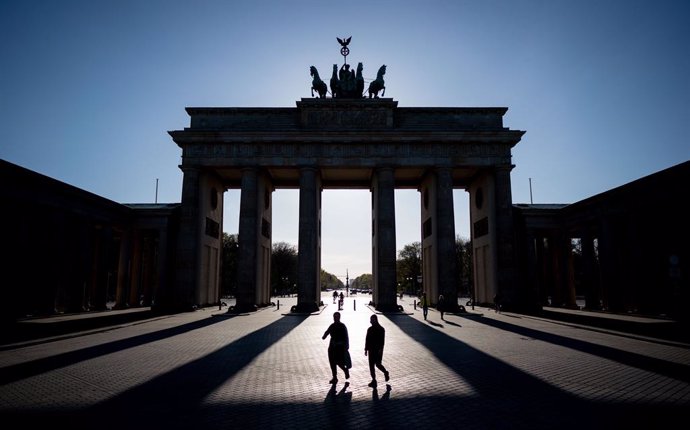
(89,89)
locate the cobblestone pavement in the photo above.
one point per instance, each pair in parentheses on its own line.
(209,369)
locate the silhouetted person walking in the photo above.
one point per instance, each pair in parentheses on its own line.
(425,305)
(497,303)
(441,304)
(373,347)
(338,347)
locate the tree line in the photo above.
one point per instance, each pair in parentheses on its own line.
(284,269)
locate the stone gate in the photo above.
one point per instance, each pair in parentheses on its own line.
(325,143)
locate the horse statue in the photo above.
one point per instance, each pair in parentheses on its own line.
(378,84)
(359,81)
(335,84)
(317,84)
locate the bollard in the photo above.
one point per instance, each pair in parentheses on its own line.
(354,305)
(415,305)
(278,305)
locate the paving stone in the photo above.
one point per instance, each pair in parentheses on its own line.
(269,369)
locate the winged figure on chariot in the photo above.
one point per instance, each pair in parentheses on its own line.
(347,83)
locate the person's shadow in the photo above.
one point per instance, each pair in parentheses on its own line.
(384,397)
(342,396)
(434,323)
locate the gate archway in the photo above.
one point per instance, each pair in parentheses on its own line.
(344,143)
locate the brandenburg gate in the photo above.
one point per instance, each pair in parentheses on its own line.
(345,143)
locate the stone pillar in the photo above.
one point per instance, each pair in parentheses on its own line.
(384,252)
(445,243)
(124,265)
(188,244)
(544,272)
(569,267)
(506,275)
(264,241)
(309,246)
(135,284)
(611,257)
(163,264)
(248,242)
(588,277)
(557,271)
(533,286)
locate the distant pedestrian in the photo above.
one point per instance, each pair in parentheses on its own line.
(338,347)
(373,347)
(425,305)
(335,296)
(441,304)
(341,302)
(497,303)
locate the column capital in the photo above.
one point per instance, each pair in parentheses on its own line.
(443,169)
(187,168)
(504,167)
(384,168)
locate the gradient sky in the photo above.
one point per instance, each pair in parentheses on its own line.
(89,89)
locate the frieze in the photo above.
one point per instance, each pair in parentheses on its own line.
(283,153)
(346,118)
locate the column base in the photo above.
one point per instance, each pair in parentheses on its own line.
(305,308)
(388,308)
(449,307)
(237,309)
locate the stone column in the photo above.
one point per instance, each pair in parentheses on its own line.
(533,286)
(569,267)
(588,265)
(135,285)
(163,265)
(612,292)
(385,297)
(308,259)
(188,244)
(505,264)
(247,238)
(556,256)
(544,270)
(445,230)
(123,275)
(104,279)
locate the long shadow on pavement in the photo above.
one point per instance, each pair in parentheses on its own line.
(673,370)
(173,399)
(520,400)
(503,397)
(35,367)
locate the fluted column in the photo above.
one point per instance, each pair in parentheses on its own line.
(123,277)
(385,297)
(589,279)
(309,259)
(247,238)
(445,230)
(188,246)
(505,264)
